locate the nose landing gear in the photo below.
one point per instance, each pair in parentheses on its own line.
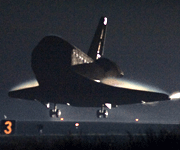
(102,112)
(55,112)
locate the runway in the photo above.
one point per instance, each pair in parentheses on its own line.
(94,135)
(61,128)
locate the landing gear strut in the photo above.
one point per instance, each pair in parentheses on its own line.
(102,112)
(55,112)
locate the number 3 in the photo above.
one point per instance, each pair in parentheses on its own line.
(9,127)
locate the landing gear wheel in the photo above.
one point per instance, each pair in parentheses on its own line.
(58,113)
(101,114)
(52,113)
(105,113)
(55,112)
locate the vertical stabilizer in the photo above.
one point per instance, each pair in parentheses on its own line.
(96,49)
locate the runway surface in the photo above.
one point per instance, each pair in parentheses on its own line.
(62,128)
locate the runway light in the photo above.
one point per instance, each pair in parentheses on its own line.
(136,119)
(62,119)
(76,124)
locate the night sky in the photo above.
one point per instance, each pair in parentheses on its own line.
(142,38)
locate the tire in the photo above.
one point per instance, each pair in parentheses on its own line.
(58,113)
(52,113)
(105,113)
(99,114)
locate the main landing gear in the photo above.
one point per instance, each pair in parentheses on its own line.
(55,112)
(102,112)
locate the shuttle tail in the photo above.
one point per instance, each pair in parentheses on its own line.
(96,49)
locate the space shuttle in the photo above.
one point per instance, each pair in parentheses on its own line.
(67,75)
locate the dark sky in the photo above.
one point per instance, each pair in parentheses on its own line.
(142,38)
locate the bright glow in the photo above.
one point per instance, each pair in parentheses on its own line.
(98,56)
(130,85)
(77,124)
(175,95)
(48,105)
(62,119)
(105,21)
(108,105)
(117,82)
(137,120)
(106,113)
(27,84)
(101,37)
(68,104)
(150,103)
(97,81)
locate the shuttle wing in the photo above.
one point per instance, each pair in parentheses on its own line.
(29,93)
(88,94)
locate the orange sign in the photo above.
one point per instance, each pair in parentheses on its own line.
(8,126)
